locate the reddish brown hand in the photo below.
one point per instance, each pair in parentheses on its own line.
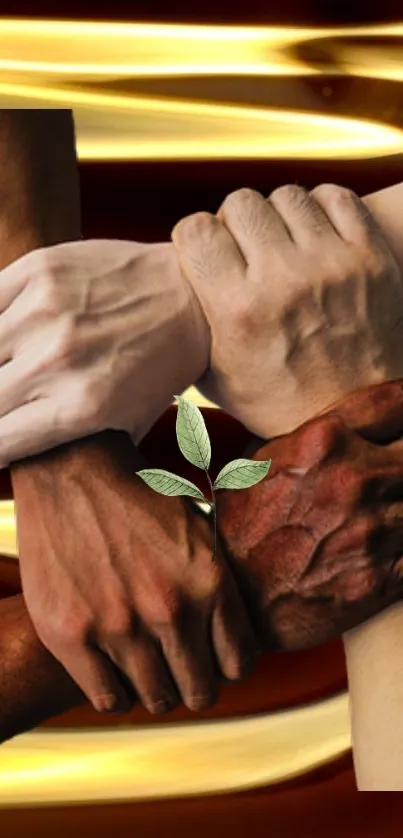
(318,545)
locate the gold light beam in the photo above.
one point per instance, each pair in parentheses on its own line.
(117,127)
(88,50)
(57,63)
(54,767)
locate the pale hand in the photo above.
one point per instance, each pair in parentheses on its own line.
(93,335)
(304,300)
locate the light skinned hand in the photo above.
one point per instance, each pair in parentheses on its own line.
(304,299)
(101,334)
(93,335)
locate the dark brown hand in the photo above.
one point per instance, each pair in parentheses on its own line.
(317,547)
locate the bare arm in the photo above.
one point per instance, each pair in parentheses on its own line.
(374,650)
(40,207)
(18,625)
(29,677)
(374,657)
(38,171)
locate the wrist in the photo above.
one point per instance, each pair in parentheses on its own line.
(180,351)
(196,330)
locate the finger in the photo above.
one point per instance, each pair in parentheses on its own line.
(303,215)
(252,221)
(15,383)
(13,325)
(189,655)
(385,542)
(350,217)
(393,518)
(31,429)
(13,279)
(143,663)
(96,676)
(376,412)
(234,642)
(209,255)
(16,328)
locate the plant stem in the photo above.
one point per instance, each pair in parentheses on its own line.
(213,507)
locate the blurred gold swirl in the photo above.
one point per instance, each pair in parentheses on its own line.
(93,67)
(132,763)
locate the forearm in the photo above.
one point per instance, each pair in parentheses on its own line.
(39,193)
(39,205)
(374,653)
(48,680)
(33,685)
(374,650)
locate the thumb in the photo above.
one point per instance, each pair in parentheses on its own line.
(375,412)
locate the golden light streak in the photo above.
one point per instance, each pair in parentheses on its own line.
(56,63)
(8,530)
(104,50)
(113,126)
(133,763)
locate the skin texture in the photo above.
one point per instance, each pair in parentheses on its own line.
(78,302)
(85,642)
(169,618)
(337,254)
(307,281)
(373,655)
(87,592)
(87,325)
(347,449)
(317,546)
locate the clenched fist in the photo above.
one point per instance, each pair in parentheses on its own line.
(317,547)
(304,300)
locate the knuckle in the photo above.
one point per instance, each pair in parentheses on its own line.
(62,631)
(87,406)
(289,194)
(333,193)
(117,624)
(245,313)
(239,197)
(45,291)
(165,609)
(196,225)
(372,259)
(323,436)
(348,480)
(63,345)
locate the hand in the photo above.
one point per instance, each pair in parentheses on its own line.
(98,334)
(128,598)
(304,300)
(317,546)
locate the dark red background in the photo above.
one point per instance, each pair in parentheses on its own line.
(142,201)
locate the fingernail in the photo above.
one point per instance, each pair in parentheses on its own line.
(113,704)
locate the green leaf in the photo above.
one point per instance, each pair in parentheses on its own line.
(166,483)
(191,433)
(240,474)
